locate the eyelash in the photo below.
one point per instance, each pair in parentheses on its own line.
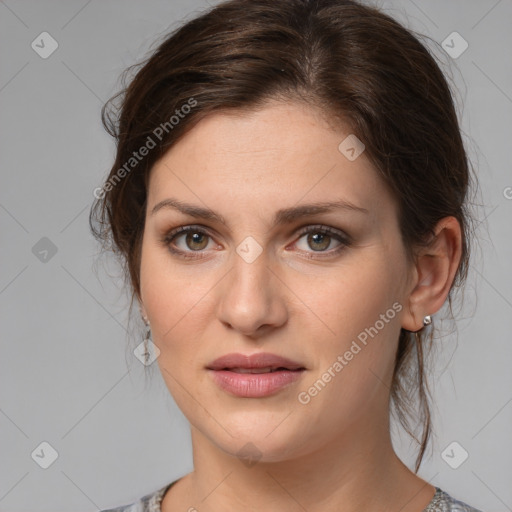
(324,230)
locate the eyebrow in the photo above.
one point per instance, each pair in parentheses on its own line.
(283,216)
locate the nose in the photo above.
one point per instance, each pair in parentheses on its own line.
(252,297)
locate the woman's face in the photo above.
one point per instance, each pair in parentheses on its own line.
(268,280)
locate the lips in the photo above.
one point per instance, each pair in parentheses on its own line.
(263,362)
(256,375)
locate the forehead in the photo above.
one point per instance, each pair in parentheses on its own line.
(284,153)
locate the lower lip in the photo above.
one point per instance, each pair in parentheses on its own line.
(254,385)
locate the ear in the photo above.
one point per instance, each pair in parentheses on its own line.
(434,270)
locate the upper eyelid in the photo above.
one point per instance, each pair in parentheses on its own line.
(305,227)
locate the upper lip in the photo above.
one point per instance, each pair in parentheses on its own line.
(258,360)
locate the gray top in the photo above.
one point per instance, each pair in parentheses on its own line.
(441,502)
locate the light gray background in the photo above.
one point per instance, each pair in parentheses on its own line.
(67,377)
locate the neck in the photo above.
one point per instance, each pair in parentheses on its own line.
(358,470)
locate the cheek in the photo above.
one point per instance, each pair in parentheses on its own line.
(353,369)
(359,308)
(351,298)
(176,297)
(168,295)
(173,302)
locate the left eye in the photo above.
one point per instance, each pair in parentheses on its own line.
(317,240)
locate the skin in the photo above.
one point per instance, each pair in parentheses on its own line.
(334,452)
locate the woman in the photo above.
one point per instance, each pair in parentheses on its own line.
(289,201)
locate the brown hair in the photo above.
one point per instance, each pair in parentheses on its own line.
(355,65)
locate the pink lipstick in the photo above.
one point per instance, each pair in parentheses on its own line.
(256,375)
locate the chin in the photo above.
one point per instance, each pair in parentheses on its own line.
(262,441)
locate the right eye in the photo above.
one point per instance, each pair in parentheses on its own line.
(193,239)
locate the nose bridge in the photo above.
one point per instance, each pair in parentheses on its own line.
(250,297)
(251,275)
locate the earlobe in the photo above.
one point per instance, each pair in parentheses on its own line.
(435,269)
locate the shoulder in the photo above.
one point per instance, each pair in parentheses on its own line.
(148,503)
(443,502)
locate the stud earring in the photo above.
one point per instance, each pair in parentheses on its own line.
(427,320)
